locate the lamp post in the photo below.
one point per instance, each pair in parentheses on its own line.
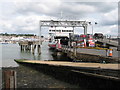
(40,34)
(92,26)
(40,40)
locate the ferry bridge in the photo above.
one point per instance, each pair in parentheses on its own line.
(109,42)
(65,23)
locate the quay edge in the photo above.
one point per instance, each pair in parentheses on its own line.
(91,77)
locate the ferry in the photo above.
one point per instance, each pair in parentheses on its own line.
(58,36)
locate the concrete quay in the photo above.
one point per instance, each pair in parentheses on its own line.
(91,55)
(92,75)
(73,64)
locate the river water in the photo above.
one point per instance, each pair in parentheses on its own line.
(12,51)
(28,77)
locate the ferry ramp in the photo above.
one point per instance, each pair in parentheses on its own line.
(109,42)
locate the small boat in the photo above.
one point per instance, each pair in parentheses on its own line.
(4,42)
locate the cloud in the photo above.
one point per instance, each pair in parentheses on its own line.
(111,30)
(110,18)
(24,16)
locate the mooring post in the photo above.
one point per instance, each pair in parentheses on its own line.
(23,47)
(30,47)
(10,79)
(39,49)
(33,48)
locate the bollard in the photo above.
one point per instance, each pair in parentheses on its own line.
(109,52)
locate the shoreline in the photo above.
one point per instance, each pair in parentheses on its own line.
(28,77)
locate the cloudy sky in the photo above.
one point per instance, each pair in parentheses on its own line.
(23,16)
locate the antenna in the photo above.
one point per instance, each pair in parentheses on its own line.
(61,15)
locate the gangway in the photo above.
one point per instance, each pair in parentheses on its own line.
(108,42)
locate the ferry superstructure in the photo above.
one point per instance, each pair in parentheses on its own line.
(58,33)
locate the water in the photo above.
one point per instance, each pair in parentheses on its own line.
(28,77)
(12,51)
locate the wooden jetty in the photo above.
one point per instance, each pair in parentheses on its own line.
(30,46)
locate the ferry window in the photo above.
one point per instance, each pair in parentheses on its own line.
(49,30)
(63,30)
(59,30)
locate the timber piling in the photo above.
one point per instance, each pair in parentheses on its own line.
(30,46)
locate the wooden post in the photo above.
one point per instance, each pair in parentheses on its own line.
(10,79)
(29,47)
(33,48)
(39,49)
(25,47)
(21,47)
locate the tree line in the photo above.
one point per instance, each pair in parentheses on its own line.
(6,34)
